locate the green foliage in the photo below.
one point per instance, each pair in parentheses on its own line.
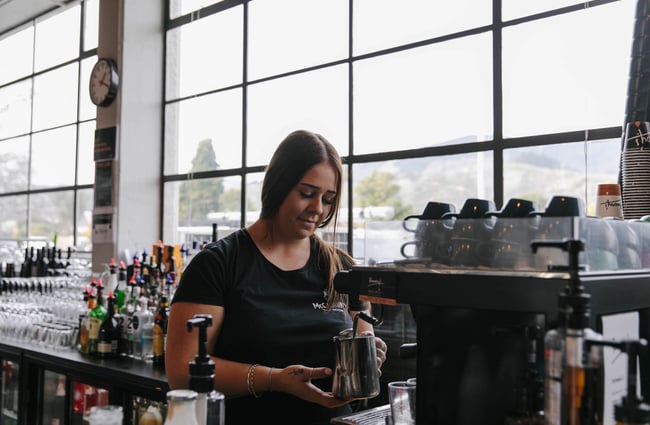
(379,190)
(197,198)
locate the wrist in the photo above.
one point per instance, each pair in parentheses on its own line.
(260,379)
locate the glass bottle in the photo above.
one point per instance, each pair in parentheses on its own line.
(84,326)
(143,331)
(181,407)
(151,416)
(131,297)
(108,332)
(120,283)
(97,316)
(160,332)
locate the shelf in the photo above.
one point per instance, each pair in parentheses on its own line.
(127,375)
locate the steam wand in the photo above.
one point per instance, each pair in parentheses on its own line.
(366,318)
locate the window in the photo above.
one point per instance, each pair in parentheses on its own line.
(425,102)
(47,129)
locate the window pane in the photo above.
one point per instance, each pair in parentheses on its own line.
(57,39)
(55,99)
(53,158)
(517,8)
(15,109)
(253,197)
(18,47)
(205,55)
(51,213)
(315,101)
(84,219)
(192,206)
(422,97)
(85,159)
(86,108)
(203,133)
(91,28)
(568,72)
(181,7)
(380,24)
(285,35)
(13,217)
(572,169)
(391,190)
(14,160)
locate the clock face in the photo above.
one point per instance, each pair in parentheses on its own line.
(103,82)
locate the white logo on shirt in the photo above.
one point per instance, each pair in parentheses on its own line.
(318,306)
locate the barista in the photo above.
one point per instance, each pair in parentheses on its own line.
(269,288)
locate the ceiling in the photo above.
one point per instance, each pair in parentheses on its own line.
(16,12)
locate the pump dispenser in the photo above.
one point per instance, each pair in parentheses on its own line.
(210,407)
(572,384)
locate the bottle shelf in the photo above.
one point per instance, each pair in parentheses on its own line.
(124,379)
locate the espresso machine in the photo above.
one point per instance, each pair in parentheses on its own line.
(480,326)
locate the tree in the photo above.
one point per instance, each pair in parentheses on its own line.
(199,197)
(379,190)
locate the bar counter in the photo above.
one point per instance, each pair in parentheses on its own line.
(124,378)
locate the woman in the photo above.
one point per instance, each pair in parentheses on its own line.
(269,289)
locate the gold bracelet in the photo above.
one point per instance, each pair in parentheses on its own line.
(250,381)
(270,380)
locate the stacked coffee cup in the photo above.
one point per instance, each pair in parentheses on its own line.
(635,170)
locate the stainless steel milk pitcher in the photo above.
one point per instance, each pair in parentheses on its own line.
(356,374)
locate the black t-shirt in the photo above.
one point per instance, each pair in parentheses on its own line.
(272,317)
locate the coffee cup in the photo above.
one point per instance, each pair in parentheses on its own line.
(553,223)
(608,200)
(431,237)
(514,207)
(563,206)
(469,231)
(432,210)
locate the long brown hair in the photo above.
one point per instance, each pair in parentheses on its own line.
(295,155)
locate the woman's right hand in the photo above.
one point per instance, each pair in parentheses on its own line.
(297,380)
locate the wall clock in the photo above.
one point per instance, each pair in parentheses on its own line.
(104,82)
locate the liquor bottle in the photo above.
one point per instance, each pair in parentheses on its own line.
(160,333)
(126,334)
(153,289)
(26,268)
(68,260)
(172,276)
(41,263)
(112,276)
(59,260)
(121,285)
(97,316)
(108,331)
(181,407)
(33,263)
(142,323)
(572,375)
(84,326)
(151,416)
(137,269)
(131,298)
(169,287)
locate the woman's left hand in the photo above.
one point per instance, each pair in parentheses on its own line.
(381,349)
